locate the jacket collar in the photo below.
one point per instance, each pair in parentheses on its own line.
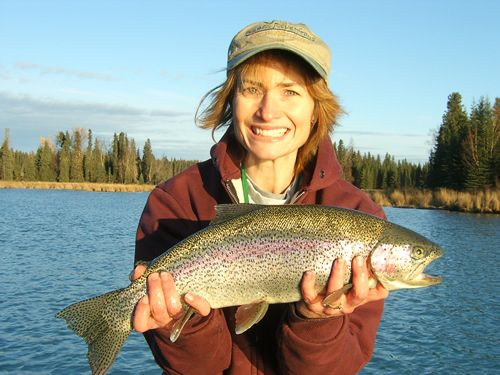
(327,169)
(226,156)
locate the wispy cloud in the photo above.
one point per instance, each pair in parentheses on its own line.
(379,134)
(55,70)
(172,132)
(19,105)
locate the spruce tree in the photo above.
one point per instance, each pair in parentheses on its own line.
(495,167)
(76,165)
(131,163)
(122,155)
(446,164)
(480,147)
(45,166)
(6,158)
(28,165)
(87,159)
(147,161)
(97,165)
(63,141)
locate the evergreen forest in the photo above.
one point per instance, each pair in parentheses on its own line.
(465,156)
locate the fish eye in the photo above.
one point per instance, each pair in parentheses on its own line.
(417,252)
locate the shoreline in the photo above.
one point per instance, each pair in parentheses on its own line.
(487,201)
(480,202)
(84,186)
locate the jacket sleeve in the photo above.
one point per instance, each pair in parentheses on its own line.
(340,345)
(205,342)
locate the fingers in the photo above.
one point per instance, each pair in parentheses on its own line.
(159,306)
(308,287)
(378,293)
(171,297)
(157,303)
(141,320)
(198,303)
(359,292)
(137,272)
(337,276)
(347,298)
(163,303)
(310,305)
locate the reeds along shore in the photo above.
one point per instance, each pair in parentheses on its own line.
(487,201)
(87,186)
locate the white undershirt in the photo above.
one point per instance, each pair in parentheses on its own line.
(258,196)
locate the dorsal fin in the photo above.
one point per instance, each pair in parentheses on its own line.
(225,212)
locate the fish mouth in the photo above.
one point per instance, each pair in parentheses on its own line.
(422,280)
(419,279)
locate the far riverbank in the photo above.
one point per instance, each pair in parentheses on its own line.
(87,186)
(487,201)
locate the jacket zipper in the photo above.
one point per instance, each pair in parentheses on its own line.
(297,196)
(227,186)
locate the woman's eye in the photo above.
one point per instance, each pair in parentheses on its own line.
(251,90)
(291,93)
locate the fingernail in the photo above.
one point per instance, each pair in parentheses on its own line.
(154,276)
(164,276)
(360,260)
(189,297)
(340,261)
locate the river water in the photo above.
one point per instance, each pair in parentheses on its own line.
(59,247)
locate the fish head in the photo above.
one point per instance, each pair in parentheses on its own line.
(400,257)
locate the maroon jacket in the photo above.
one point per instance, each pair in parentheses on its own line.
(282,342)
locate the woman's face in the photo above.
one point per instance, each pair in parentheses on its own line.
(272,111)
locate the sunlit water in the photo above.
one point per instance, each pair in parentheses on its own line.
(58,247)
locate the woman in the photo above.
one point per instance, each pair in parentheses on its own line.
(279,112)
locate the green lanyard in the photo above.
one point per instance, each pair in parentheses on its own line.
(244,184)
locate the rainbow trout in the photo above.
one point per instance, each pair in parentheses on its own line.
(251,256)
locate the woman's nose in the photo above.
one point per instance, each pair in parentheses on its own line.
(268,108)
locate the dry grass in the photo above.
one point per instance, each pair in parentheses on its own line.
(87,186)
(397,198)
(487,201)
(380,198)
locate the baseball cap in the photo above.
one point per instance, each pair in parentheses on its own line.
(293,37)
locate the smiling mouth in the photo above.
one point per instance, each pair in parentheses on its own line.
(274,133)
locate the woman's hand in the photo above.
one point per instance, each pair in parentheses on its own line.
(312,304)
(162,306)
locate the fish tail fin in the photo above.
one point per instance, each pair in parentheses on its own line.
(104,322)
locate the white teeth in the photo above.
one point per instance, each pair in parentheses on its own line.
(270,133)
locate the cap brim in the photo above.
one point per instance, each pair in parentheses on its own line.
(237,60)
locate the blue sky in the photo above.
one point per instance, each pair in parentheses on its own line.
(142,66)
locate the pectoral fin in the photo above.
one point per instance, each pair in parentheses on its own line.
(248,315)
(335,295)
(179,325)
